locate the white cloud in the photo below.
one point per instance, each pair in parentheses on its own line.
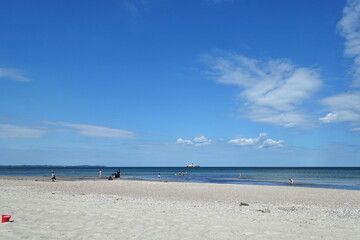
(13,74)
(197,141)
(349,27)
(269,143)
(243,141)
(272,91)
(345,107)
(13,131)
(260,142)
(200,141)
(330,117)
(96,131)
(182,141)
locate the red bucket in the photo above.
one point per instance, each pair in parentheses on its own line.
(5,218)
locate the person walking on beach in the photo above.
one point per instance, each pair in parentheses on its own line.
(53,177)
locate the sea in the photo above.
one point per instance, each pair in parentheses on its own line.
(313,177)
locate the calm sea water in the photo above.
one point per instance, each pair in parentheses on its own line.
(338,178)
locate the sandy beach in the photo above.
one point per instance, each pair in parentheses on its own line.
(128,209)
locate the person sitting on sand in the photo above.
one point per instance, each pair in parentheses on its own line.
(110,178)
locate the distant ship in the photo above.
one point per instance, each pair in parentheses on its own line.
(192,165)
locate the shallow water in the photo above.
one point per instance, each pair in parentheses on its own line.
(338,178)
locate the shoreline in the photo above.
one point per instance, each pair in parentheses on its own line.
(94,178)
(309,177)
(103,186)
(75,179)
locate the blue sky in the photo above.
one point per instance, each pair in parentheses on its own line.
(167,83)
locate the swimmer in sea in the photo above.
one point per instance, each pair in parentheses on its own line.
(291,181)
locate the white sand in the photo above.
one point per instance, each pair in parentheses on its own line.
(159,210)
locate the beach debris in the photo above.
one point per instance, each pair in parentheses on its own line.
(263,210)
(5,218)
(244,204)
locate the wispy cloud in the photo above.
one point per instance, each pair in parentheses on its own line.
(13,131)
(131,6)
(138,6)
(96,131)
(349,27)
(13,74)
(197,141)
(271,91)
(260,142)
(355,129)
(344,107)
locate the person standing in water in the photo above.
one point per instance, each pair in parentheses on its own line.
(100,174)
(117,175)
(291,181)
